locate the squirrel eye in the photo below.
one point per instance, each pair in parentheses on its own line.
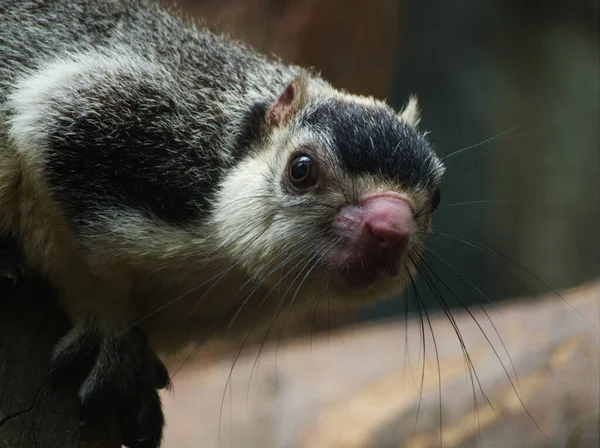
(435,201)
(302,172)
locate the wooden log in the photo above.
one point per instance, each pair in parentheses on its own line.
(31,414)
(362,387)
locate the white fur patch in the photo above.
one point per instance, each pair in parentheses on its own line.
(29,101)
(34,97)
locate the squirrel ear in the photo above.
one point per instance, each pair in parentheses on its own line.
(291,100)
(411,113)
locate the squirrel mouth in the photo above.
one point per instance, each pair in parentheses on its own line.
(358,275)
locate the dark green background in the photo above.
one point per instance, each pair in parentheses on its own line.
(484,67)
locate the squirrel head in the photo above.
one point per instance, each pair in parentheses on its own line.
(337,195)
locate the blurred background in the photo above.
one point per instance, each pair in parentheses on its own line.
(510,92)
(515,81)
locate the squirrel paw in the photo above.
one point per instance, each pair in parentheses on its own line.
(10,260)
(115,374)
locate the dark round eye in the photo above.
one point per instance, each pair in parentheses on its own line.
(436,199)
(302,172)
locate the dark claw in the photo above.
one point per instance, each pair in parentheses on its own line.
(10,260)
(115,374)
(145,430)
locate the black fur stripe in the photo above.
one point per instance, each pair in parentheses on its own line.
(373,140)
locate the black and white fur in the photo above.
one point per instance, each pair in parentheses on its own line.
(141,172)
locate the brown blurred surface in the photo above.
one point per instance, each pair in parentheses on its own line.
(357,55)
(361,387)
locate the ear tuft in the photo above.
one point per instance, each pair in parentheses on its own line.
(290,101)
(411,113)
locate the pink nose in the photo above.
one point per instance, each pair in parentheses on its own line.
(377,231)
(389,218)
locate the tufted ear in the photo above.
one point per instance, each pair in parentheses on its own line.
(290,101)
(411,113)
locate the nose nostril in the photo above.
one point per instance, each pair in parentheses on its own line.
(388,235)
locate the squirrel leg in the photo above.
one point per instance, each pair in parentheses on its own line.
(115,372)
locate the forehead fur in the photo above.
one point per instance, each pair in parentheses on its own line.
(369,138)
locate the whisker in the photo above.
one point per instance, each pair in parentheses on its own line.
(160,292)
(218,278)
(309,257)
(420,305)
(467,358)
(292,301)
(465,281)
(245,340)
(487,249)
(257,286)
(177,298)
(482,143)
(406,346)
(281,301)
(431,272)
(278,310)
(519,397)
(437,357)
(191,354)
(457,204)
(277,268)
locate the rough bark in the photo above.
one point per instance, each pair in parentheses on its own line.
(32,415)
